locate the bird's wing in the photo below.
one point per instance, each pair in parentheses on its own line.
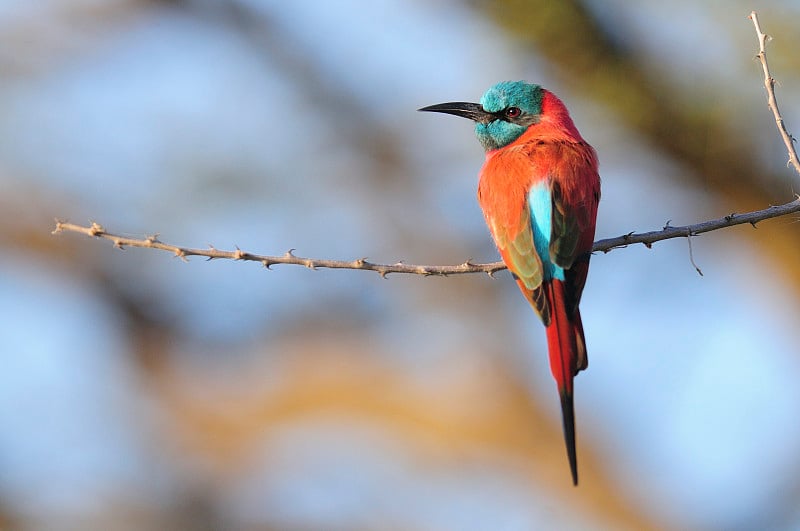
(516,246)
(572,233)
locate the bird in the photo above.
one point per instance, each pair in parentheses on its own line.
(539,189)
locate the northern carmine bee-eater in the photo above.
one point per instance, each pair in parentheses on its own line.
(538,189)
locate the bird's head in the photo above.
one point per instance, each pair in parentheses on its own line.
(506,110)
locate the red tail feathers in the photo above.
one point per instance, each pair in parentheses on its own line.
(567,350)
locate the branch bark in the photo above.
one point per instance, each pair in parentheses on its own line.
(604,246)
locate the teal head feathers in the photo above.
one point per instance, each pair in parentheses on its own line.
(506,110)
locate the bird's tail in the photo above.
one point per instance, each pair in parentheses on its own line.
(567,348)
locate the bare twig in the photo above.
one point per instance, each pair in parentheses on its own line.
(288,257)
(769,83)
(606,245)
(691,256)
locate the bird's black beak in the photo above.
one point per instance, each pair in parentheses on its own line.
(473,111)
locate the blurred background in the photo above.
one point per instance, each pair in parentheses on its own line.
(141,392)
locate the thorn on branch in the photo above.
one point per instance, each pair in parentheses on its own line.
(667,225)
(96,229)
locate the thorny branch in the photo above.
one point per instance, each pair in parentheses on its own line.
(606,245)
(769,83)
(287,258)
(645,238)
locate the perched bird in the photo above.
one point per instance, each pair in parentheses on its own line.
(539,189)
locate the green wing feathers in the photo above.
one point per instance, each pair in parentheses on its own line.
(517,249)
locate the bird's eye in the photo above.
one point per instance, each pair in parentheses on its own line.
(512,112)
